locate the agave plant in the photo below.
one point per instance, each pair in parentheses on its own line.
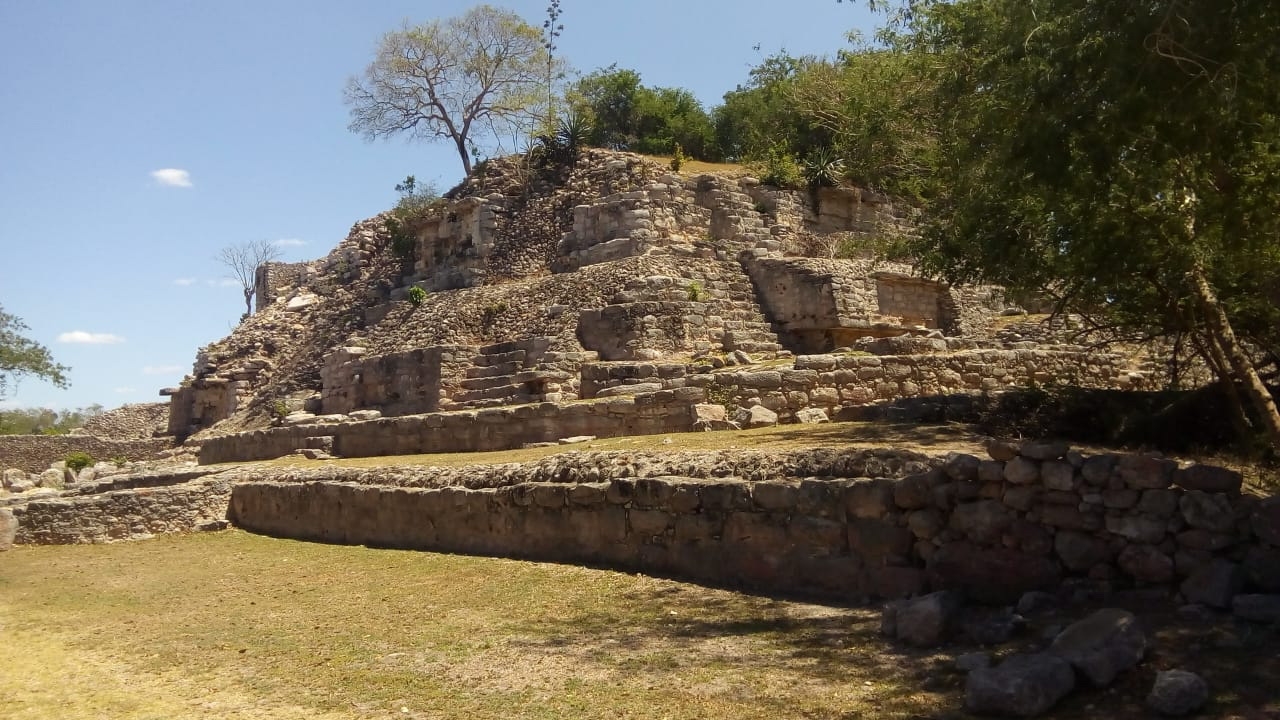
(573,132)
(823,168)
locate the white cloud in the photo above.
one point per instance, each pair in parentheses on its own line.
(224,282)
(80,337)
(290,242)
(161,369)
(172,177)
(184,282)
(126,390)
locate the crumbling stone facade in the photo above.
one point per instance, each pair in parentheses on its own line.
(614,258)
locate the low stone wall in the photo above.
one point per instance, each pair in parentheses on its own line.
(123,514)
(33,453)
(994,528)
(499,428)
(137,421)
(830,382)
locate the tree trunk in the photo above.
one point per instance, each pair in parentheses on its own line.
(248,301)
(1221,334)
(461,144)
(1217,361)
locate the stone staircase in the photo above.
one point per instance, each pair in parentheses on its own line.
(518,372)
(722,281)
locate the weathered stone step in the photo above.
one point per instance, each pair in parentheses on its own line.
(489,360)
(497,392)
(484,371)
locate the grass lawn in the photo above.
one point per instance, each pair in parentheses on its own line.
(236,625)
(228,624)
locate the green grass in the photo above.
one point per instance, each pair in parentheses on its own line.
(226,625)
(236,625)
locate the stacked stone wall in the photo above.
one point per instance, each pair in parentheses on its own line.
(498,428)
(829,382)
(33,453)
(993,527)
(123,514)
(275,280)
(138,421)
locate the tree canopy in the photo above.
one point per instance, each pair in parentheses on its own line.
(1120,157)
(20,356)
(625,115)
(45,421)
(461,79)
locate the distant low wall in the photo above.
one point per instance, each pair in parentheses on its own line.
(500,428)
(994,528)
(123,514)
(33,453)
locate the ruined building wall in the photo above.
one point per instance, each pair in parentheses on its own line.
(843,529)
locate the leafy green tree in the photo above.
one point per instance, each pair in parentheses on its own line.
(20,356)
(462,79)
(626,115)
(1122,157)
(761,116)
(864,106)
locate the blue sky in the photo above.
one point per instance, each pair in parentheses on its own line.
(137,137)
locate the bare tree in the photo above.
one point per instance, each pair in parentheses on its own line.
(242,261)
(457,79)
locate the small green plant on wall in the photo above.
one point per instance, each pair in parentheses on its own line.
(78,461)
(696,292)
(417,295)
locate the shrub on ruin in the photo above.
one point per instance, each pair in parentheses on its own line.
(696,292)
(678,158)
(279,409)
(417,295)
(779,168)
(78,461)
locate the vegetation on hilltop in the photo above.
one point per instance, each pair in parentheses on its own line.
(45,421)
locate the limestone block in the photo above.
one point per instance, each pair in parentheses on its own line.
(1024,685)
(1021,471)
(1058,475)
(53,478)
(982,522)
(1214,584)
(1208,478)
(1143,472)
(1177,692)
(1146,563)
(755,416)
(1137,528)
(927,621)
(8,529)
(1103,645)
(811,416)
(1207,511)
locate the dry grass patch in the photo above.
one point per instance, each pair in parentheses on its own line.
(236,625)
(930,439)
